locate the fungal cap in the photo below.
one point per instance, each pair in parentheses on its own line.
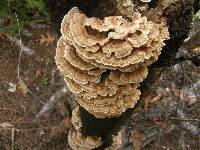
(70,71)
(76,119)
(79,142)
(111,106)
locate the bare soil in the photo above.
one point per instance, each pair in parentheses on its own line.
(18,110)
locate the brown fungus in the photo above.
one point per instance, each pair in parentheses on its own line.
(66,22)
(104,61)
(76,119)
(137,47)
(123,78)
(70,71)
(111,106)
(72,57)
(92,90)
(79,142)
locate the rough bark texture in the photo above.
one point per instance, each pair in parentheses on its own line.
(179,17)
(196,5)
(97,8)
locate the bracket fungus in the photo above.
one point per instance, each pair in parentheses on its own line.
(79,142)
(76,119)
(104,61)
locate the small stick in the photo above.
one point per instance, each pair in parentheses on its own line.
(13,135)
(22,48)
(183,119)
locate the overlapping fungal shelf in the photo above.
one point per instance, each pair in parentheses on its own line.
(79,142)
(76,140)
(76,119)
(104,61)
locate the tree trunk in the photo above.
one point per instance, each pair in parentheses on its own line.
(179,17)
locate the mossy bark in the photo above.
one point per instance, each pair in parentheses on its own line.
(179,17)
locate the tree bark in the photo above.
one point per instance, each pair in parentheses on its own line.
(179,17)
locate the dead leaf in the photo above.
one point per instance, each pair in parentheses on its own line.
(156,98)
(168,126)
(183,94)
(47,39)
(176,92)
(2,36)
(136,138)
(150,100)
(160,123)
(22,87)
(192,99)
(197,49)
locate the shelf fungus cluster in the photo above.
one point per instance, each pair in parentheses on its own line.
(76,119)
(79,142)
(104,61)
(76,140)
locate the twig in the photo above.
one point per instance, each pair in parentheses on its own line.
(151,134)
(52,102)
(13,136)
(19,61)
(20,53)
(183,119)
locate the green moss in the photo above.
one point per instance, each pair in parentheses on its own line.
(23,9)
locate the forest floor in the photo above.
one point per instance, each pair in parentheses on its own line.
(168,120)
(22,97)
